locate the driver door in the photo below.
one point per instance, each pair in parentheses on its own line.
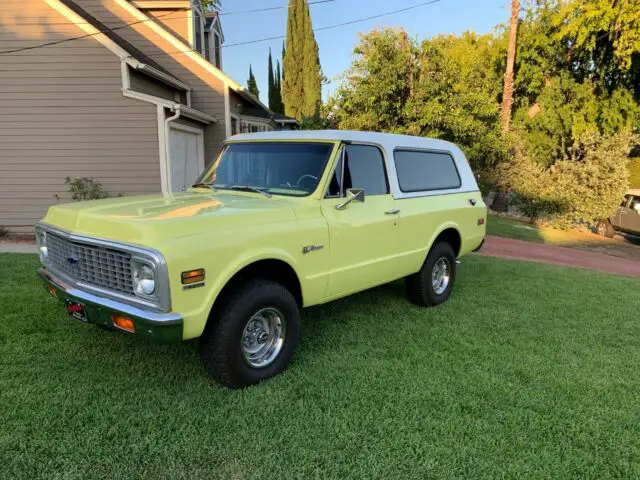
(362,234)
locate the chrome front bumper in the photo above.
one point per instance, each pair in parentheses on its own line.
(162,327)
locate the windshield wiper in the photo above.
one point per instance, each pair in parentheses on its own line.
(248,188)
(204,185)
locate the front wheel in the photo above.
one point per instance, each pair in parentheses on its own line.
(253,336)
(433,283)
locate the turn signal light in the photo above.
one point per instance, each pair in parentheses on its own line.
(53,292)
(481,221)
(193,276)
(124,323)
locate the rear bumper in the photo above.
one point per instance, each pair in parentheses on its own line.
(160,327)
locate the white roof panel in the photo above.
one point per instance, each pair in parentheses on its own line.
(346,136)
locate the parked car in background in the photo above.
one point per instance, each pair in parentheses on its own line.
(280,221)
(626,219)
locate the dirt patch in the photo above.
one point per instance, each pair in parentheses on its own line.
(566,256)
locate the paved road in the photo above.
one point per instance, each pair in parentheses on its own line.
(568,257)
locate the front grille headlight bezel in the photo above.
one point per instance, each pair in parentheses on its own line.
(159,300)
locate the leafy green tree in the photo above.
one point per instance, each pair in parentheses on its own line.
(272,84)
(302,79)
(603,40)
(565,111)
(279,106)
(211,5)
(252,85)
(447,88)
(282,57)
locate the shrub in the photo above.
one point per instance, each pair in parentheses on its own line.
(85,188)
(581,189)
(634,173)
(594,180)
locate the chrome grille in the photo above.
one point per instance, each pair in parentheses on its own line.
(98,266)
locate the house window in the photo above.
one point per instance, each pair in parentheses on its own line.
(207,46)
(197,28)
(217,53)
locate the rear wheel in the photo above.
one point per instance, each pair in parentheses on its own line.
(433,284)
(605,229)
(253,335)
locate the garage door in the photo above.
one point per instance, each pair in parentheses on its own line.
(186,158)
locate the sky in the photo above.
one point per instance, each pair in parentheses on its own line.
(336,45)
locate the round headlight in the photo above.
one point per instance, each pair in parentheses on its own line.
(144,282)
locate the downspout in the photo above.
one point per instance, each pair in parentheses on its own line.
(176,116)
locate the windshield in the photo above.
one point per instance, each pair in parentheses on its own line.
(281,168)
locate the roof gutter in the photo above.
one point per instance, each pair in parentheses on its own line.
(155,73)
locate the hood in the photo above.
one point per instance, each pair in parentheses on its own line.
(152,218)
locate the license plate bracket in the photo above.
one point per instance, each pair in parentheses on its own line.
(76,311)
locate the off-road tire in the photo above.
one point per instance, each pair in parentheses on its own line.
(419,286)
(605,229)
(220,344)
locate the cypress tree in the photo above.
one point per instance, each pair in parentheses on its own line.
(252,85)
(278,90)
(302,79)
(283,52)
(272,86)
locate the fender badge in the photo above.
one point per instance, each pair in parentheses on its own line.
(192,286)
(311,248)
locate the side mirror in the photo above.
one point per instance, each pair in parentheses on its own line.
(353,195)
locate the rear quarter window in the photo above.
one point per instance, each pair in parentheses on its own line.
(420,170)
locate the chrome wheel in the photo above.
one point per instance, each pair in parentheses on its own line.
(602,229)
(263,337)
(441,275)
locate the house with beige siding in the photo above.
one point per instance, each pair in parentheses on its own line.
(128,92)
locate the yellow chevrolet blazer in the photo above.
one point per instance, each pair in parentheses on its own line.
(279,221)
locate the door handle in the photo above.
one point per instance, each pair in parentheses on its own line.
(394,211)
(473,202)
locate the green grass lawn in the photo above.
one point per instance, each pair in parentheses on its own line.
(528,371)
(507,227)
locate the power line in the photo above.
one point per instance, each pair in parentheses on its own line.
(70,39)
(167,16)
(351,22)
(319,29)
(281,7)
(278,37)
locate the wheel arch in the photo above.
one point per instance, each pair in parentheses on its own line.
(449,233)
(271,266)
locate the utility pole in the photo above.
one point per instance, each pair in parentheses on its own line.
(507,93)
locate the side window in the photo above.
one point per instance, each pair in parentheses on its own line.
(364,168)
(634,202)
(422,170)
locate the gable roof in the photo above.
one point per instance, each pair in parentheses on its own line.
(145,62)
(189,52)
